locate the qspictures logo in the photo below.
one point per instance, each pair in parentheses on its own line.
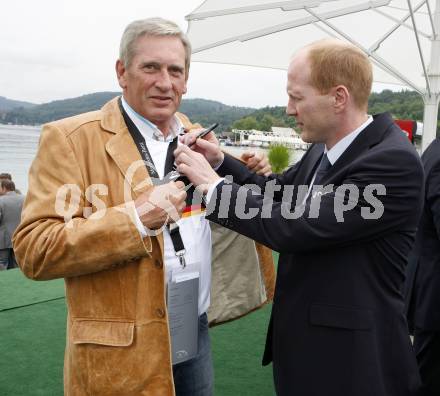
(249,201)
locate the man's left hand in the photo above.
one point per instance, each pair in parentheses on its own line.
(195,167)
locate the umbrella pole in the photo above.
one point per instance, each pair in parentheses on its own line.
(432,100)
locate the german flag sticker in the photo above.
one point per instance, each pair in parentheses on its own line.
(192,210)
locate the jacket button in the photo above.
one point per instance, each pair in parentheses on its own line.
(160,312)
(158,264)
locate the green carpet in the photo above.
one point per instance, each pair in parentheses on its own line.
(18,291)
(32,349)
(237,349)
(32,328)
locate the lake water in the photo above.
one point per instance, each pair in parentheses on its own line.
(18,146)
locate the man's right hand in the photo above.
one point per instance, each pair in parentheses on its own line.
(161,204)
(208,146)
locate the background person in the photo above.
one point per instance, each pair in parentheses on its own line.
(10,211)
(337,325)
(423,281)
(7,176)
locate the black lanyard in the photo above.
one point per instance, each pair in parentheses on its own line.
(139,140)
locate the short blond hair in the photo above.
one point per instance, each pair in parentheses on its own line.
(333,63)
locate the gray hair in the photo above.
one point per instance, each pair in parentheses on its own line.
(151,27)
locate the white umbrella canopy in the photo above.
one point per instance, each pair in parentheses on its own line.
(266,33)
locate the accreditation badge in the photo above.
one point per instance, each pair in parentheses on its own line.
(183,312)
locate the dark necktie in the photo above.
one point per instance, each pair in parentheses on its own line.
(323,168)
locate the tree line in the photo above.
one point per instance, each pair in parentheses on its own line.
(404,105)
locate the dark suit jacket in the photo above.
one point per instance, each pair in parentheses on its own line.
(423,285)
(338,326)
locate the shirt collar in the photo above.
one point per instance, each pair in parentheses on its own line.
(149,129)
(338,149)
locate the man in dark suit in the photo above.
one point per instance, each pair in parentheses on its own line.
(337,326)
(423,283)
(11,204)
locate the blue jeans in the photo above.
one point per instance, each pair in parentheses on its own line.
(195,377)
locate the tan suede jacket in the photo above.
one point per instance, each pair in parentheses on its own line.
(117,330)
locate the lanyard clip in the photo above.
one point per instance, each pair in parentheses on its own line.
(172,176)
(181,256)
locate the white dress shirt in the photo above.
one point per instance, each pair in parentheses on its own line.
(338,149)
(194,230)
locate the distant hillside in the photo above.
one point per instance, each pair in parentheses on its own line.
(198,110)
(9,104)
(267,117)
(57,109)
(207,112)
(402,105)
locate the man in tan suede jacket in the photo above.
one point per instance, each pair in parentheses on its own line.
(90,217)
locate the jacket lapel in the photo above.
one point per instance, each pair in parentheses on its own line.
(309,163)
(369,137)
(123,151)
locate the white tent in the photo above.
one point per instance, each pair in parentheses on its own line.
(401,37)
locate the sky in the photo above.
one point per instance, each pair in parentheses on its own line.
(57,49)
